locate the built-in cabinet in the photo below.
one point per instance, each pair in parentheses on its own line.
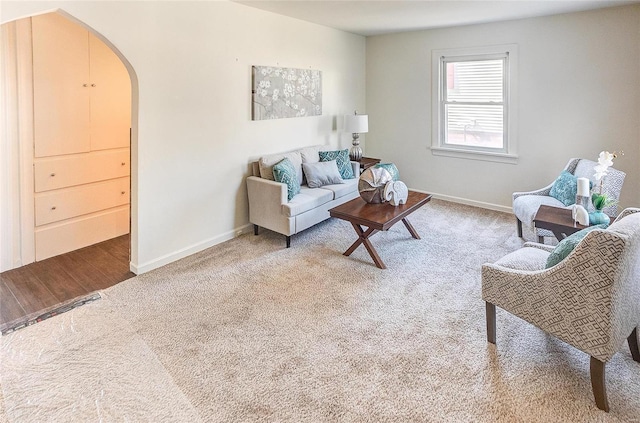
(81,108)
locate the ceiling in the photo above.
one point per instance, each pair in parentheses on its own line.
(366,17)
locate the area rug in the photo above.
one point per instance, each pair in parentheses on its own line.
(251,331)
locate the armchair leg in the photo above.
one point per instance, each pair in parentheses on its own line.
(633,345)
(598,384)
(540,239)
(255,229)
(491,322)
(288,241)
(519,226)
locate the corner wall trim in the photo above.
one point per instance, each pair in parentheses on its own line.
(481,204)
(139,269)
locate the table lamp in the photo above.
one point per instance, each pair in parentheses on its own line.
(356,124)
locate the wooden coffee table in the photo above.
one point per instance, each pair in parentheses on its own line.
(557,220)
(377,217)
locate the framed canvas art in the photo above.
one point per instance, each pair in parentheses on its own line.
(285,92)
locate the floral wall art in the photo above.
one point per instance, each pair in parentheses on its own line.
(285,92)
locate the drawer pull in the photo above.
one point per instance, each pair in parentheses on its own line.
(53,208)
(122,192)
(123,163)
(93,85)
(85,85)
(52,175)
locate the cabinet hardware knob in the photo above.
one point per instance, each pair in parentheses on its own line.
(123,163)
(85,85)
(93,85)
(53,208)
(53,174)
(122,192)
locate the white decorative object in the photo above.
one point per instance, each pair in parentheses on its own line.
(396,192)
(583,187)
(580,215)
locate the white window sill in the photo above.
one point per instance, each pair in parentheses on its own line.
(475,155)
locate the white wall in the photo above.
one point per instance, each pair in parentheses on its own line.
(579,94)
(195,136)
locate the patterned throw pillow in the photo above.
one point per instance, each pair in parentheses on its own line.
(566,246)
(391,168)
(284,172)
(342,160)
(565,188)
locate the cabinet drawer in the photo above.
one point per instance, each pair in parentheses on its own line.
(53,206)
(80,169)
(60,238)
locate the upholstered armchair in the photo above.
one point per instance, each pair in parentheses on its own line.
(590,300)
(525,204)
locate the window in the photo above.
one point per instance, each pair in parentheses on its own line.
(474,91)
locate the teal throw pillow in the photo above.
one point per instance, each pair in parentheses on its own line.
(565,188)
(566,246)
(391,168)
(285,172)
(342,160)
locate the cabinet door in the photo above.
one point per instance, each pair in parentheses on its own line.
(60,86)
(110,98)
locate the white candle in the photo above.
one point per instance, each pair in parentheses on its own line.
(583,187)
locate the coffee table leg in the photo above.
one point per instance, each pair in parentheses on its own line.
(412,231)
(363,238)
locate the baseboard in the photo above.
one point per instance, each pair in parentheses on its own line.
(139,269)
(481,204)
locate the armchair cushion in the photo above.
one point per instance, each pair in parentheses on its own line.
(528,258)
(565,188)
(566,246)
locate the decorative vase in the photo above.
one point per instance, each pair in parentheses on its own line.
(598,217)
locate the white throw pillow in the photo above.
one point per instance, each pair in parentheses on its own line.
(322,173)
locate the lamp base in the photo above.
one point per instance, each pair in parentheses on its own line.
(355,153)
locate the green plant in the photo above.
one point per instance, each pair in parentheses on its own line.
(600,201)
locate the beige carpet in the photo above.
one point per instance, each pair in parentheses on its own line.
(251,331)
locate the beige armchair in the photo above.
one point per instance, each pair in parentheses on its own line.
(590,300)
(525,204)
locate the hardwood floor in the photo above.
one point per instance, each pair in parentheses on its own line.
(42,285)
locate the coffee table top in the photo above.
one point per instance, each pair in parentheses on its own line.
(379,216)
(556,219)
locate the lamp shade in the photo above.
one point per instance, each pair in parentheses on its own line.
(356,124)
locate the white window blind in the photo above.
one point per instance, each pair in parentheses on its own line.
(472,113)
(474,102)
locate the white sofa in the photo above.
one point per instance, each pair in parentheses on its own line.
(268,204)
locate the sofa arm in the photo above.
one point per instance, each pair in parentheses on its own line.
(265,199)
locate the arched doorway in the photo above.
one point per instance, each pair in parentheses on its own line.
(68,178)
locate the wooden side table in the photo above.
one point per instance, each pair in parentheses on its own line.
(557,220)
(367,162)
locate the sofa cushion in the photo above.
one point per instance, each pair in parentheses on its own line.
(321,173)
(308,199)
(391,168)
(342,159)
(340,190)
(266,164)
(284,172)
(310,154)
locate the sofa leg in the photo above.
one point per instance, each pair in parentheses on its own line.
(255,229)
(519,225)
(491,322)
(598,384)
(633,345)
(288,241)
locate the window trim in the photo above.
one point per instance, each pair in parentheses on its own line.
(439,57)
